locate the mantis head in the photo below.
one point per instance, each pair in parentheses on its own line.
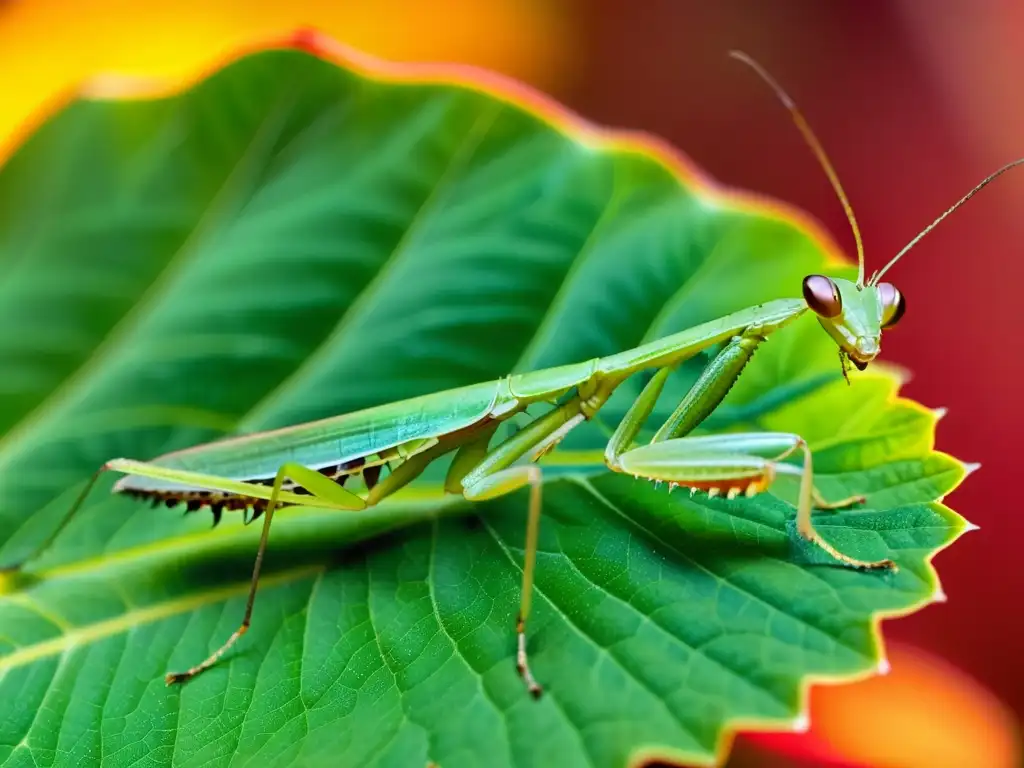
(854,316)
(854,313)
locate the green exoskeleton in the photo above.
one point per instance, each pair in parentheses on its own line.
(308,464)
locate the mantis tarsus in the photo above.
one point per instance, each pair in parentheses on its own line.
(308,464)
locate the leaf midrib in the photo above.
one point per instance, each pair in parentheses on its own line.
(457,162)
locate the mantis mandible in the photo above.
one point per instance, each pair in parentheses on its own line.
(309,464)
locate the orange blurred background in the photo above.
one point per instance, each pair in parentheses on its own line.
(916,101)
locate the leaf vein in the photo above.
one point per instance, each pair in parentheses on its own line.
(524,363)
(584,483)
(455,646)
(698,649)
(608,652)
(460,158)
(272,123)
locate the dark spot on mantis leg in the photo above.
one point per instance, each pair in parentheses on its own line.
(217,511)
(371,475)
(330,471)
(259,506)
(193,505)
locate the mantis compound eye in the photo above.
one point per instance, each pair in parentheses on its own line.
(893,304)
(822,296)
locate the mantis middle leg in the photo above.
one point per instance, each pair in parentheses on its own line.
(505,469)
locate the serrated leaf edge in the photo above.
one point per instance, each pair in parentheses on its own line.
(577,128)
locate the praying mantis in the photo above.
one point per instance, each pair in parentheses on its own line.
(309,464)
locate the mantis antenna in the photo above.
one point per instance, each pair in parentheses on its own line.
(988,179)
(816,148)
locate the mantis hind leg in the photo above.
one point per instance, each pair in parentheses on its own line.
(739,463)
(62,524)
(498,484)
(130,467)
(320,488)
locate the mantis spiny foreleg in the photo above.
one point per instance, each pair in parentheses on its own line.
(736,463)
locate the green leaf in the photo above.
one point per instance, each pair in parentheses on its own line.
(295,237)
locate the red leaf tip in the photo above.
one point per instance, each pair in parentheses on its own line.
(311,40)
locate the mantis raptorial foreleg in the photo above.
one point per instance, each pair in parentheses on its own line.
(738,463)
(732,462)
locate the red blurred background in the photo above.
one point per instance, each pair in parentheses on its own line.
(915,101)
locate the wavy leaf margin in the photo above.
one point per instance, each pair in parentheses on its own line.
(112,87)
